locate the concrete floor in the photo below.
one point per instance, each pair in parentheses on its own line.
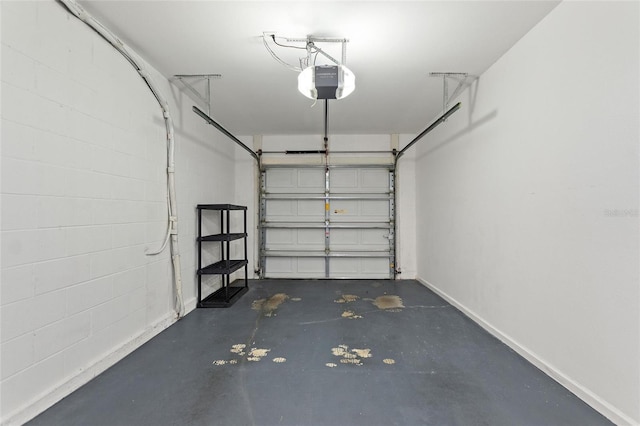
(365,361)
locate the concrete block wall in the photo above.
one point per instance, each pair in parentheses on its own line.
(527,200)
(83,196)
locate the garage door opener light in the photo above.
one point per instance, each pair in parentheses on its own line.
(327,81)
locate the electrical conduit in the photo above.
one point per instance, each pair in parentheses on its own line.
(139,65)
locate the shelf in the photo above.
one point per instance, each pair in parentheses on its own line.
(223,237)
(220,207)
(223,297)
(223,267)
(228,292)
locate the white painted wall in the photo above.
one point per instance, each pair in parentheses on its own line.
(83,196)
(246,175)
(406,214)
(527,202)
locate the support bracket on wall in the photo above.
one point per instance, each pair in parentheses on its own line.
(198,85)
(461,77)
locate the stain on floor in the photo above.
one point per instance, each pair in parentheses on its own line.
(268,306)
(257,354)
(362,353)
(238,349)
(350,315)
(347,298)
(353,356)
(388,302)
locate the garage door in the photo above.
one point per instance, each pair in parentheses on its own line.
(327,222)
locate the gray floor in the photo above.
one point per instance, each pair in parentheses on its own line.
(427,364)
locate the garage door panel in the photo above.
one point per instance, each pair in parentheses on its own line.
(343,209)
(359,240)
(280,265)
(375,266)
(356,181)
(350,237)
(279,237)
(283,179)
(295,267)
(375,237)
(293,210)
(374,208)
(340,267)
(311,237)
(360,267)
(311,265)
(294,239)
(311,208)
(276,208)
(311,179)
(292,181)
(343,179)
(374,179)
(344,237)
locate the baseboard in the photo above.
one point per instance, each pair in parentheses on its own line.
(189,305)
(597,403)
(74,383)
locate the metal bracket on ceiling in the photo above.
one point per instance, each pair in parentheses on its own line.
(193,83)
(311,43)
(461,77)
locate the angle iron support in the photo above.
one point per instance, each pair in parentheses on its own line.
(446,99)
(331,58)
(312,40)
(206,99)
(344,53)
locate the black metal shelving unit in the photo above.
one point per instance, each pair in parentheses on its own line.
(229,293)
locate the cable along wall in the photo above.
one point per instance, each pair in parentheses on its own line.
(140,66)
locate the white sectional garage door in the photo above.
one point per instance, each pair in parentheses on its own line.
(327,222)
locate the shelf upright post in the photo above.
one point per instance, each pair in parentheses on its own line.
(199,256)
(246,259)
(227,278)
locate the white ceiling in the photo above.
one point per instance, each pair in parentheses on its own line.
(393,45)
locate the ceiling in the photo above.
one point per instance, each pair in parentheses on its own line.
(392,48)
